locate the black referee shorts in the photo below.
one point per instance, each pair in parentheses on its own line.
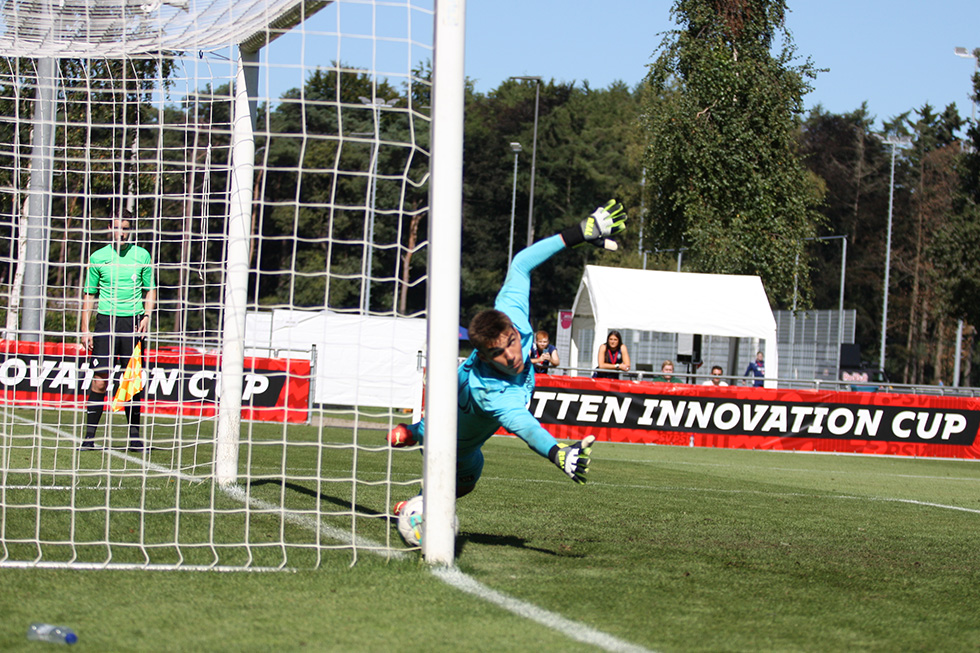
(113,341)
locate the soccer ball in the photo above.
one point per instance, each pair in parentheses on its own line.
(411,520)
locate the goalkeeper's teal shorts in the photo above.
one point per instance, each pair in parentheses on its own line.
(469,469)
(469,465)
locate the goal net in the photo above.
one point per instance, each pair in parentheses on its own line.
(274,157)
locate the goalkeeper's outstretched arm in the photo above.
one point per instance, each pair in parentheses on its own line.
(605,221)
(572,460)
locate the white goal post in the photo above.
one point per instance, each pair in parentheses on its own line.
(271,155)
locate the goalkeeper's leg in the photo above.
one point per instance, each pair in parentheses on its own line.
(469,468)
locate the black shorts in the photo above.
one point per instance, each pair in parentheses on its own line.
(113,341)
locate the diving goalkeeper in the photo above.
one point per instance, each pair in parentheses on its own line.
(497,380)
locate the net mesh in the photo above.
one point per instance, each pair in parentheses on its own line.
(111,106)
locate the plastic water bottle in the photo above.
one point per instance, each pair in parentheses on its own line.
(47,633)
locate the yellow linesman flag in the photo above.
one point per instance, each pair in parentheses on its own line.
(132,379)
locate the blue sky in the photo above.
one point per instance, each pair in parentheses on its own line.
(896,55)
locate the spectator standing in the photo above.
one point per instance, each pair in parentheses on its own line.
(716,373)
(613,355)
(118,275)
(543,353)
(757,369)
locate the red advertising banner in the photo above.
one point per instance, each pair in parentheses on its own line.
(740,417)
(175,381)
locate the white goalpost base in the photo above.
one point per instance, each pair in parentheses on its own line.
(276,156)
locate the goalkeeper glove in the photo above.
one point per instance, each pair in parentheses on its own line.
(573,460)
(605,221)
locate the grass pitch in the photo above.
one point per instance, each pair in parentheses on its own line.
(667,548)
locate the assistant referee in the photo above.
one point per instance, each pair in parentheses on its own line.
(118,275)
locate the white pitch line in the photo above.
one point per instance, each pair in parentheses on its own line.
(452,576)
(238,493)
(920,503)
(687,488)
(812,471)
(93,488)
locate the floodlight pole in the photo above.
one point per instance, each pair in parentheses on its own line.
(534,153)
(975,55)
(376,104)
(516,147)
(966,54)
(643,212)
(895,142)
(840,303)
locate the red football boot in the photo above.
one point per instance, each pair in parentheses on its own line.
(400,436)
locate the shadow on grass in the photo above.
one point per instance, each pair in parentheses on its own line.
(337,501)
(503,540)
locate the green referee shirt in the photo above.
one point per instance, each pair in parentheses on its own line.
(119,279)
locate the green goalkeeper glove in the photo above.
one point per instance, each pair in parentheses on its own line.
(605,221)
(573,460)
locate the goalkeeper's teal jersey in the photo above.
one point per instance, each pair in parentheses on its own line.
(119,279)
(489,399)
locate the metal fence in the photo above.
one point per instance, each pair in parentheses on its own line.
(703,374)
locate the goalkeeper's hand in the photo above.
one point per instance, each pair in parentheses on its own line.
(573,460)
(605,221)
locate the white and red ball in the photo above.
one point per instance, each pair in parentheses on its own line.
(411,521)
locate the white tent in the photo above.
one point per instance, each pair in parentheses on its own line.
(676,302)
(360,360)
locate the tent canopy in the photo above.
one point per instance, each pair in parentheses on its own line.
(360,360)
(678,302)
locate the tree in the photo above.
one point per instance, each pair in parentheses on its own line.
(724,177)
(917,318)
(853,168)
(955,249)
(971,162)
(585,140)
(100,115)
(311,181)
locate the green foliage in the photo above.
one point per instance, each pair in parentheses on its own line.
(971,163)
(333,170)
(724,176)
(731,174)
(956,251)
(956,248)
(587,152)
(852,167)
(102,128)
